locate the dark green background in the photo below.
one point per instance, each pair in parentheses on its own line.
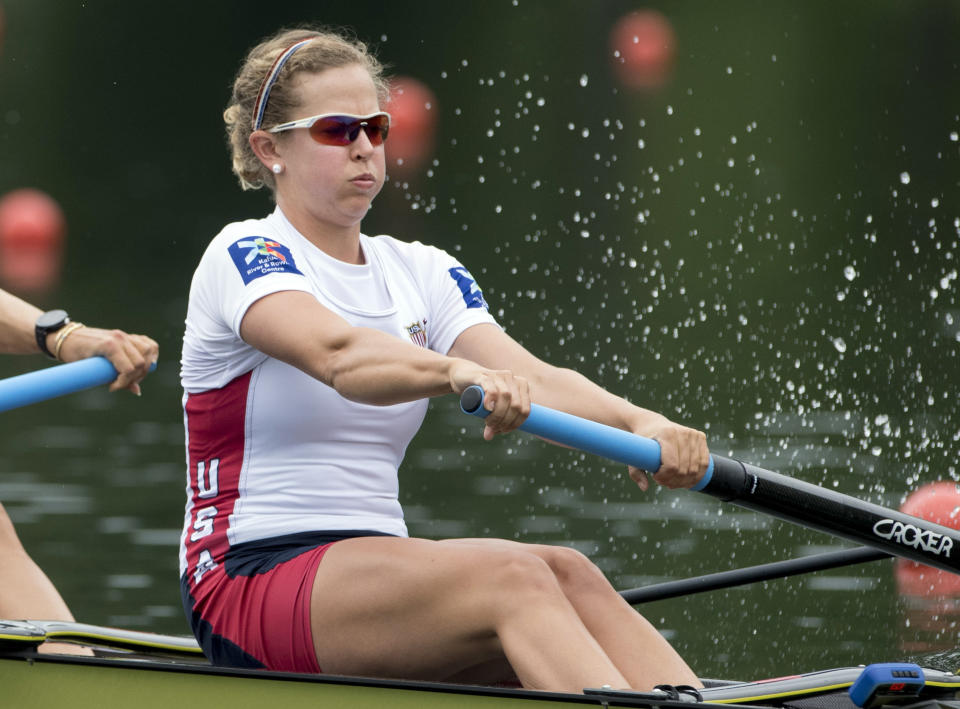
(765,248)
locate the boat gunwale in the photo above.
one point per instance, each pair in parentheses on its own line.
(153,664)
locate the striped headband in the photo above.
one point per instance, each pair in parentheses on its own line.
(270,79)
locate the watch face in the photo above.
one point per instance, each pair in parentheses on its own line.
(52,319)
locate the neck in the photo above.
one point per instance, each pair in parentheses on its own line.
(339,242)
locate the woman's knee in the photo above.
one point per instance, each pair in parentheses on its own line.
(517,575)
(573,570)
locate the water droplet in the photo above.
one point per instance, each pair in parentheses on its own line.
(849,272)
(905,178)
(584,80)
(839,344)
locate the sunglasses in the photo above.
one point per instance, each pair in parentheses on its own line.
(337,129)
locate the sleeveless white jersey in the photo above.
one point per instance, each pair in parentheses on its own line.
(270,450)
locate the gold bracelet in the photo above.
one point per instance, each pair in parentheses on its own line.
(63,334)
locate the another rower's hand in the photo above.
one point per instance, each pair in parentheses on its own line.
(131,355)
(505,395)
(684,456)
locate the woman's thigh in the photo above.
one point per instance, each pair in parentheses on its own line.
(570,566)
(416,608)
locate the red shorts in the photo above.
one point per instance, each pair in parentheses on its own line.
(252,609)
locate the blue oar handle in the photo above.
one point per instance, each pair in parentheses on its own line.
(56,381)
(582,434)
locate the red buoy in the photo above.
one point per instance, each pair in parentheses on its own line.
(32,231)
(939,503)
(413,112)
(643,45)
(929,597)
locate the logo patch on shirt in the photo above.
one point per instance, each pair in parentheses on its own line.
(418,332)
(472,295)
(256,256)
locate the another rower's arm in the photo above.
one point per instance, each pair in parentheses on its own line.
(17,319)
(131,355)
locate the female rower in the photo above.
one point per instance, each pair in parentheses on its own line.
(309,354)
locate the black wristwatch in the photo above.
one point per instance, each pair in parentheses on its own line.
(50,321)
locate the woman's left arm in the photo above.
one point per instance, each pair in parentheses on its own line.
(684,453)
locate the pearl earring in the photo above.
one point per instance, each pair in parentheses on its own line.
(277,168)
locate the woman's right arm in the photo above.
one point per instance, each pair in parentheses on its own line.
(368,366)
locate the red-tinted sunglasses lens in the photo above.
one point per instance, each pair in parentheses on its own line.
(343,130)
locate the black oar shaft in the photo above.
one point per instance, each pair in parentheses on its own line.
(833,512)
(756,489)
(753,574)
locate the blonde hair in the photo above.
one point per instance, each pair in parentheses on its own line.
(327,49)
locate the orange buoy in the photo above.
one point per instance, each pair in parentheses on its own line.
(413,112)
(643,45)
(32,231)
(937,502)
(930,597)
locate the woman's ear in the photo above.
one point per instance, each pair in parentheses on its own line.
(264,146)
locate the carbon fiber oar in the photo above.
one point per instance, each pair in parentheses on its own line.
(755,488)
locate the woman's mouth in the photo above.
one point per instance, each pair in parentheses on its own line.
(364,181)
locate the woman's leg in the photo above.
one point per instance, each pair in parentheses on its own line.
(638,650)
(25,591)
(418,609)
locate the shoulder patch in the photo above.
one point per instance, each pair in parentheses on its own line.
(472,295)
(256,256)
